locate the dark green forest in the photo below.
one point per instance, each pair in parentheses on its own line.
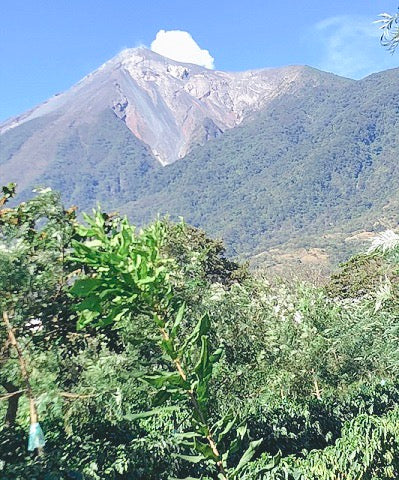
(148,354)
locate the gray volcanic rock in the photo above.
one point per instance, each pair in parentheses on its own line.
(167,105)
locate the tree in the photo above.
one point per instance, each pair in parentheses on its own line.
(33,238)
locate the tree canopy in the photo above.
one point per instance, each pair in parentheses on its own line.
(147,354)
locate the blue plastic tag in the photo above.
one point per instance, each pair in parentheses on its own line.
(36,437)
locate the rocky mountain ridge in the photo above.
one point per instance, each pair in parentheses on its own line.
(167,105)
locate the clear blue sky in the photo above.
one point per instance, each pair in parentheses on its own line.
(48,45)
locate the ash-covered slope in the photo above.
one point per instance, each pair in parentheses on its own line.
(166,104)
(100,137)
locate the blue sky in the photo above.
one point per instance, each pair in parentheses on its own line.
(48,45)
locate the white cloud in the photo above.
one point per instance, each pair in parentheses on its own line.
(350,46)
(180,46)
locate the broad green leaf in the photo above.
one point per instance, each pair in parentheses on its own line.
(190,458)
(82,288)
(161,397)
(242,430)
(164,378)
(201,369)
(248,454)
(92,303)
(215,357)
(85,318)
(234,446)
(201,328)
(146,280)
(201,390)
(205,449)
(159,320)
(168,347)
(178,320)
(186,435)
(226,429)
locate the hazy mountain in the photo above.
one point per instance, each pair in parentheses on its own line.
(288,156)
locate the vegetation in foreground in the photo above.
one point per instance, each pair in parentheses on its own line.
(149,355)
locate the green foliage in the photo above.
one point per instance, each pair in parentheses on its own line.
(130,276)
(368,449)
(152,356)
(34,237)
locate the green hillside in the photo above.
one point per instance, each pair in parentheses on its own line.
(100,162)
(94,162)
(321,162)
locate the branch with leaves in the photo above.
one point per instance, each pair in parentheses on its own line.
(36,437)
(130,276)
(389,24)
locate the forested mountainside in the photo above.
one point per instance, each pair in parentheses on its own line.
(308,170)
(275,160)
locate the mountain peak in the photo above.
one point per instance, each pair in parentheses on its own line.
(144,57)
(141,52)
(169,105)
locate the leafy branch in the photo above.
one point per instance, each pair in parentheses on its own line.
(389,24)
(129,275)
